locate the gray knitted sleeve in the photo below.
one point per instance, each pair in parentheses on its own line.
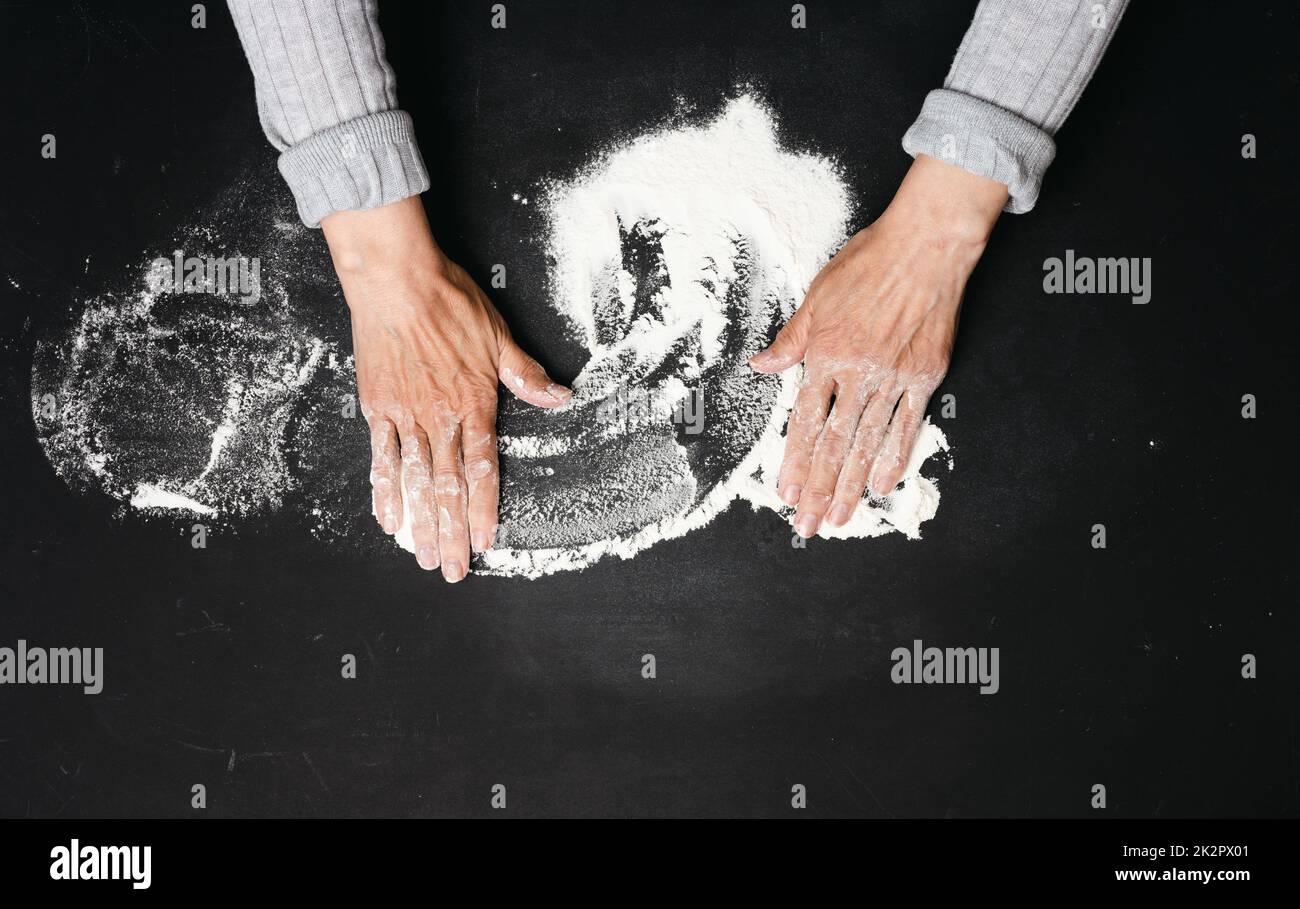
(1018,73)
(327,100)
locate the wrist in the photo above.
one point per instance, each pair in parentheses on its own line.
(380,243)
(948,203)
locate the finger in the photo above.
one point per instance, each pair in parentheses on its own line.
(526,379)
(896,449)
(450,492)
(417,480)
(385,474)
(828,458)
(866,442)
(479,448)
(801,433)
(789,347)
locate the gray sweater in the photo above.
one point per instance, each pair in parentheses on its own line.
(327,97)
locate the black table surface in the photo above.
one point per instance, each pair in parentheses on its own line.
(1119,666)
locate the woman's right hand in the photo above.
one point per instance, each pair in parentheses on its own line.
(430,349)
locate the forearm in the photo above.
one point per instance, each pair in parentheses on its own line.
(1017,75)
(327,100)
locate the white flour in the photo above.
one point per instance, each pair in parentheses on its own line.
(677,256)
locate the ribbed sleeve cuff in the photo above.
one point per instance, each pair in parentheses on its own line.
(363,163)
(986,140)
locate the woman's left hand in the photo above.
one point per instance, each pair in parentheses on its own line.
(875,333)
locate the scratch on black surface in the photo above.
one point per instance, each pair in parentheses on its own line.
(200,747)
(85,22)
(478,88)
(211,626)
(316,772)
(107,728)
(853,795)
(147,43)
(370,653)
(63,803)
(252,756)
(869,792)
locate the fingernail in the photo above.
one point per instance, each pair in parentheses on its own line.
(839,514)
(482,540)
(762,358)
(558,392)
(390,522)
(882,487)
(453,572)
(807,526)
(427,557)
(790,495)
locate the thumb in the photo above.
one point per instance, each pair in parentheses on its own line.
(526,379)
(789,346)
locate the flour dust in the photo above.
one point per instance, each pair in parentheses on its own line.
(200,403)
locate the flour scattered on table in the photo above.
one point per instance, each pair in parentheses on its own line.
(198,403)
(676,256)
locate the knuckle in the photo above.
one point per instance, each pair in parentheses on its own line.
(871,438)
(873,371)
(854,474)
(453,527)
(479,442)
(435,410)
(817,494)
(447,484)
(795,464)
(456,297)
(477,402)
(850,493)
(403,418)
(790,475)
(382,436)
(383,465)
(414,462)
(527,367)
(480,468)
(424,529)
(835,436)
(856,464)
